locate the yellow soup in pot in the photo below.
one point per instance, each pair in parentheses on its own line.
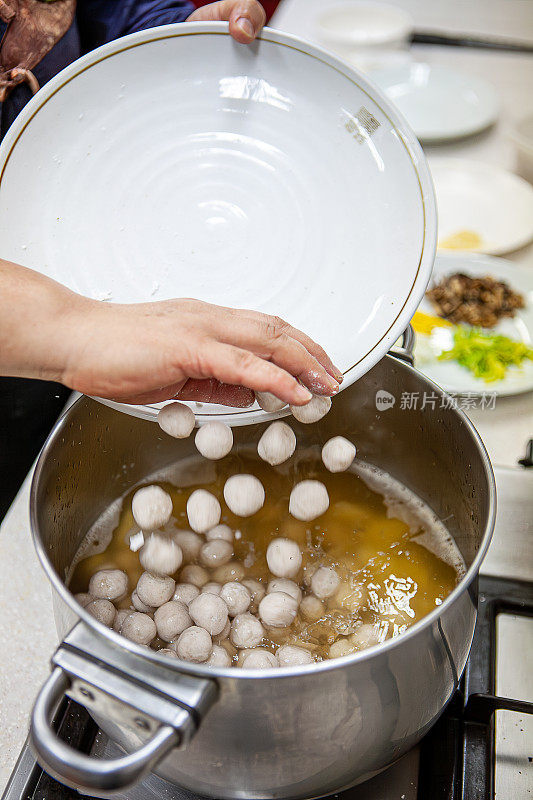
(394,558)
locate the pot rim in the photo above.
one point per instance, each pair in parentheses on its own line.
(204,671)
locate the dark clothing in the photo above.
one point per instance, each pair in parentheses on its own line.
(29,408)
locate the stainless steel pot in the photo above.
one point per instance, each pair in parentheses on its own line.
(289,733)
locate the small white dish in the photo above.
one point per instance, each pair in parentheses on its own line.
(481,207)
(438,103)
(363,28)
(452,376)
(272,177)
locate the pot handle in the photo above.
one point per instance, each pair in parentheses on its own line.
(80,771)
(406,351)
(155,706)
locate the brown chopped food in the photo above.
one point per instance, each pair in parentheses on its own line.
(476,301)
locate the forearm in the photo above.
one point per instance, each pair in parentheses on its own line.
(35,316)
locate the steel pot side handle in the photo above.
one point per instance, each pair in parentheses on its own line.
(158,705)
(98,778)
(406,351)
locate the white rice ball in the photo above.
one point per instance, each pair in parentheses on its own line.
(257,591)
(236,597)
(315,409)
(246,631)
(259,658)
(186,592)
(219,638)
(189,544)
(342,647)
(215,553)
(108,584)
(219,657)
(311,608)
(138,627)
(365,636)
(214,440)
(194,574)
(154,590)
(176,419)
(102,610)
(120,616)
(278,609)
(324,582)
(244,495)
(338,454)
(308,500)
(138,604)
(151,507)
(210,612)
(83,598)
(203,511)
(194,644)
(283,557)
(220,532)
(290,656)
(269,402)
(160,555)
(171,619)
(287,586)
(277,444)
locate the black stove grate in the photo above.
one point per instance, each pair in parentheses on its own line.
(457,757)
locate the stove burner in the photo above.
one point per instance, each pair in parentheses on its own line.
(455,761)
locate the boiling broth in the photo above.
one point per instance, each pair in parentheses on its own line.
(396,561)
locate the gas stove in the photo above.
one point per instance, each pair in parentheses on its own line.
(482,746)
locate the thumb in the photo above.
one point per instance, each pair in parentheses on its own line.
(245,17)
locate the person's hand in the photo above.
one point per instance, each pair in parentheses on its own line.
(245,17)
(149,352)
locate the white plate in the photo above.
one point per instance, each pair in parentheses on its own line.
(178,163)
(450,375)
(438,103)
(486,200)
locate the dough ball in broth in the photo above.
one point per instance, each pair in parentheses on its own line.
(203,511)
(277,444)
(308,500)
(160,555)
(338,454)
(214,440)
(244,495)
(151,507)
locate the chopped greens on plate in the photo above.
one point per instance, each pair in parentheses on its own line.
(486,355)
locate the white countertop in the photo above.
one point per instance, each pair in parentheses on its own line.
(27,631)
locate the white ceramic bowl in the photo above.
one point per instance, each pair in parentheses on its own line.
(178,163)
(363,28)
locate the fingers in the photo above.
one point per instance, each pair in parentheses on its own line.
(213,391)
(245,17)
(230,364)
(273,324)
(318,352)
(268,340)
